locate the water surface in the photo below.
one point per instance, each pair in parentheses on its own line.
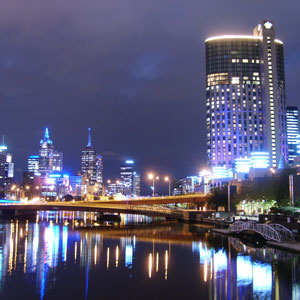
(72,256)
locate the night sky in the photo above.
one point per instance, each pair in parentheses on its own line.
(132,70)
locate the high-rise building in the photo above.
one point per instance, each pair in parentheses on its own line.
(33,163)
(49,159)
(245,97)
(6,167)
(292,125)
(136,184)
(57,161)
(126,173)
(130,179)
(92,165)
(46,154)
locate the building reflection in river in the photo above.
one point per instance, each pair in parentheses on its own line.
(230,270)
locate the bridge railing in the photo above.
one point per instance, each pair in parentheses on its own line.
(268,232)
(283,231)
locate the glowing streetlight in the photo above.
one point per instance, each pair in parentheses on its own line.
(153,178)
(167,179)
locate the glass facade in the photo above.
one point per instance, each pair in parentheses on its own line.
(292,123)
(242,117)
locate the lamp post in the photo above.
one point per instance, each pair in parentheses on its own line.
(167,179)
(153,178)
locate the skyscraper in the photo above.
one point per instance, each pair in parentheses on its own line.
(245,96)
(91,165)
(130,179)
(6,167)
(45,154)
(292,125)
(49,159)
(33,163)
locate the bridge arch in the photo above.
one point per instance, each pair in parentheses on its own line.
(271,232)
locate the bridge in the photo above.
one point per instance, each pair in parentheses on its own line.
(270,232)
(142,206)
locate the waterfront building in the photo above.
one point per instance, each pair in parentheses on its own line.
(245,97)
(33,163)
(292,124)
(130,179)
(92,166)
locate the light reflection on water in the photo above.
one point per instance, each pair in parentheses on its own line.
(63,254)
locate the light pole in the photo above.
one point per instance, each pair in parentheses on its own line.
(167,179)
(152,177)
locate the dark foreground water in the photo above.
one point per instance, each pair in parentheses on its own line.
(70,256)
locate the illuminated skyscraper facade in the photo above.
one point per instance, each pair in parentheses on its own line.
(33,163)
(92,165)
(130,179)
(245,97)
(49,159)
(6,167)
(292,125)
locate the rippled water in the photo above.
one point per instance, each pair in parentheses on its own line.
(71,256)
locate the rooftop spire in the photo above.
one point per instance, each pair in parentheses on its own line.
(89,138)
(46,135)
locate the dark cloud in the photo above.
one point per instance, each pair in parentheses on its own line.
(132,70)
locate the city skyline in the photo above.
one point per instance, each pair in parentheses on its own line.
(122,115)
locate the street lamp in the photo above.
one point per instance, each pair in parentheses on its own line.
(167,179)
(153,178)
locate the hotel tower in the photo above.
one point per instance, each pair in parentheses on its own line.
(245,97)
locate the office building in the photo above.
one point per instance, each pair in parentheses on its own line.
(75,183)
(136,184)
(130,179)
(6,167)
(185,186)
(33,163)
(45,154)
(92,166)
(245,97)
(292,125)
(126,173)
(57,161)
(49,160)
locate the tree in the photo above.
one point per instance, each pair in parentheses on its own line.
(219,197)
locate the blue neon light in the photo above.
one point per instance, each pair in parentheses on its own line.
(34,156)
(9,201)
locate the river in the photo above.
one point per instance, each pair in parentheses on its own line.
(65,255)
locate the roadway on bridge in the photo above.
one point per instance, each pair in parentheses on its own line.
(144,206)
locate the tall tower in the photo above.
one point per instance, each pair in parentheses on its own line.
(46,154)
(245,97)
(130,179)
(6,166)
(292,125)
(49,160)
(91,164)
